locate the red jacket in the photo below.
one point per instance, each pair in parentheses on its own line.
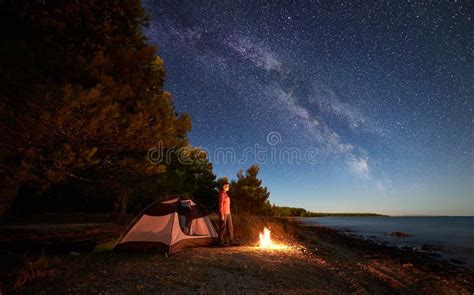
(224,203)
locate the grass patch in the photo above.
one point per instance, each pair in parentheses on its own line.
(32,270)
(248,227)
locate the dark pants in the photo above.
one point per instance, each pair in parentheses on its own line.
(226,228)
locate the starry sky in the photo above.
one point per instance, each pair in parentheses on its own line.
(373,100)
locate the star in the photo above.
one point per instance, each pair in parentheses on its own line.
(363,84)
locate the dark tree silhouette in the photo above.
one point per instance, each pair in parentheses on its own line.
(248,194)
(81,96)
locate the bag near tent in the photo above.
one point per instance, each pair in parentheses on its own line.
(169,226)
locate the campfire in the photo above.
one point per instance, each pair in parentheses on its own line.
(267,243)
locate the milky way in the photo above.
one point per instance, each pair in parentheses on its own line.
(382,91)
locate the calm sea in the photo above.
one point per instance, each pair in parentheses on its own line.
(452,237)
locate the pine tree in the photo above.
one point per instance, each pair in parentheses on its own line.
(81,96)
(190,176)
(248,194)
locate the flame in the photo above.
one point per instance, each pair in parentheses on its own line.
(267,243)
(265,240)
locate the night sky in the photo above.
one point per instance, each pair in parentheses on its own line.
(380,95)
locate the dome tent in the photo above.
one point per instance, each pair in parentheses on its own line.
(168,226)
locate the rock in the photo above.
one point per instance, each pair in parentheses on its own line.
(400,234)
(368,256)
(434,255)
(74,253)
(456,261)
(429,248)
(407,265)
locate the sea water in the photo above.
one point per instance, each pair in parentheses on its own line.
(452,237)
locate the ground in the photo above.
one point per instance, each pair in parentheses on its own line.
(318,260)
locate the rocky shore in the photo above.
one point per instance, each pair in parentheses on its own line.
(317,260)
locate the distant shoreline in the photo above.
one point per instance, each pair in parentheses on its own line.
(313,214)
(380,215)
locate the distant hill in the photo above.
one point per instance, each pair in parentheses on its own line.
(300,212)
(322,214)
